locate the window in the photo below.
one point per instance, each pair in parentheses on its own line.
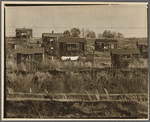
(77,45)
(68,47)
(126,56)
(100,46)
(48,39)
(105,46)
(112,46)
(72,46)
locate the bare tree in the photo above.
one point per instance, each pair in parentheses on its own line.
(99,35)
(83,32)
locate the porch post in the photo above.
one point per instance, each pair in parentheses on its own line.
(32,61)
(43,57)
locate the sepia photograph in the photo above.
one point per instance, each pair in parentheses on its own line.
(74,61)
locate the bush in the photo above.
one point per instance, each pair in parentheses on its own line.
(52,85)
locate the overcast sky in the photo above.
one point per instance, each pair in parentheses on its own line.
(131,20)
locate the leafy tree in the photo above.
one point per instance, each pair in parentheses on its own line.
(91,34)
(114,34)
(75,32)
(119,35)
(109,34)
(66,33)
(105,34)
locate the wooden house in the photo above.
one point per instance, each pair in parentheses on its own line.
(71,46)
(143,47)
(30,56)
(121,57)
(51,36)
(49,41)
(105,44)
(24,32)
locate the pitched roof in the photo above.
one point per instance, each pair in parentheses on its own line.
(33,45)
(125,51)
(52,35)
(30,50)
(90,39)
(106,40)
(142,43)
(23,29)
(71,40)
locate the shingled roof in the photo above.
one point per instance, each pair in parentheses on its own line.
(71,40)
(30,50)
(90,39)
(23,29)
(125,51)
(142,43)
(52,35)
(106,40)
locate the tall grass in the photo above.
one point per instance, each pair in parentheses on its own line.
(11,65)
(80,83)
(142,63)
(57,64)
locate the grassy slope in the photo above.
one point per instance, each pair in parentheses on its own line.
(75,83)
(57,64)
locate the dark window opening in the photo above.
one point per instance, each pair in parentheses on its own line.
(126,56)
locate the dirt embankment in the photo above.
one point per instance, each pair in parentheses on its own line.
(103,109)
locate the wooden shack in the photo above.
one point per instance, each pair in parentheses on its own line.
(121,57)
(30,56)
(24,32)
(143,47)
(49,41)
(105,44)
(71,46)
(51,36)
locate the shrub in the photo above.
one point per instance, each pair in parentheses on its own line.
(74,83)
(52,85)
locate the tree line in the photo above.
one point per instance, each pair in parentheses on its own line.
(86,33)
